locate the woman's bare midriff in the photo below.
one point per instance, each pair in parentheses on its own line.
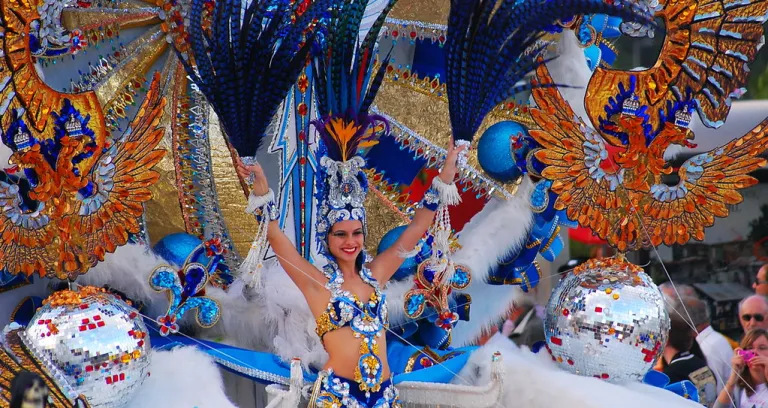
(344,352)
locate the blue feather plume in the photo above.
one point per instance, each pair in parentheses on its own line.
(493,44)
(346,80)
(247,62)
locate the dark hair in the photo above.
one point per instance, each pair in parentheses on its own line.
(681,336)
(23,381)
(746,382)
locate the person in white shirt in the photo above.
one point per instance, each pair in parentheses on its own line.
(715,347)
(746,387)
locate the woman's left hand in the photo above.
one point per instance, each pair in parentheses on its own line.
(448,172)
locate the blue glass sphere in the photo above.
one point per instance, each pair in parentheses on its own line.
(175,248)
(499,155)
(410,264)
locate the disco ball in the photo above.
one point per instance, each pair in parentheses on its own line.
(92,343)
(607,319)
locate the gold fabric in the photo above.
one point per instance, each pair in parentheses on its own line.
(231,197)
(148,49)
(86,19)
(428,11)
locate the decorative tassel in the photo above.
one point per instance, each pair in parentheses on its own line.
(449,194)
(408,254)
(253,263)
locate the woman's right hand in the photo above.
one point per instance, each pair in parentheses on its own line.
(260,185)
(737,365)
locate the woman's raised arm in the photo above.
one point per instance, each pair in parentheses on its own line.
(386,263)
(302,273)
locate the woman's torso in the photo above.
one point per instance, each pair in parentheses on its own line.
(757,400)
(342,345)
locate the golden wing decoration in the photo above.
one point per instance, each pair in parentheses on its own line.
(709,183)
(581,167)
(704,59)
(17,358)
(122,177)
(57,140)
(617,191)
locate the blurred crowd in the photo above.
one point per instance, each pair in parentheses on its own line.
(726,372)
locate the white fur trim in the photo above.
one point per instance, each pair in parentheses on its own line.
(534,381)
(570,68)
(255,202)
(499,229)
(184,377)
(449,194)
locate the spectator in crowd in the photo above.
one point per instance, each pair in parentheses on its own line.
(753,311)
(760,285)
(714,346)
(668,290)
(28,390)
(746,386)
(680,364)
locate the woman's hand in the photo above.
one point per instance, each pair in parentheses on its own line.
(737,365)
(759,361)
(448,172)
(260,185)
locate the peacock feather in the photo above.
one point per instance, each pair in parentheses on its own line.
(347,81)
(246,63)
(493,44)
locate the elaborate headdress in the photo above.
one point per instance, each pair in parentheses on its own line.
(346,86)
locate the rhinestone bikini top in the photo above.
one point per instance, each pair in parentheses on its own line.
(368,320)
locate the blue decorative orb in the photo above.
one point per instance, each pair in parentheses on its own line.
(502,149)
(410,264)
(175,248)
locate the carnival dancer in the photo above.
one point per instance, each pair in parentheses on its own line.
(345,297)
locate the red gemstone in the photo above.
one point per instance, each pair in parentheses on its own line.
(97,317)
(556,340)
(302,183)
(570,361)
(302,206)
(133,315)
(302,109)
(109,380)
(566,312)
(91,326)
(82,328)
(100,324)
(395,33)
(598,310)
(88,368)
(604,376)
(303,161)
(302,135)
(413,34)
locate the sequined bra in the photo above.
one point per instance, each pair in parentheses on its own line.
(367,320)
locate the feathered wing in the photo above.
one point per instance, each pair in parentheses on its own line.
(705,57)
(492,46)
(587,182)
(122,177)
(709,183)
